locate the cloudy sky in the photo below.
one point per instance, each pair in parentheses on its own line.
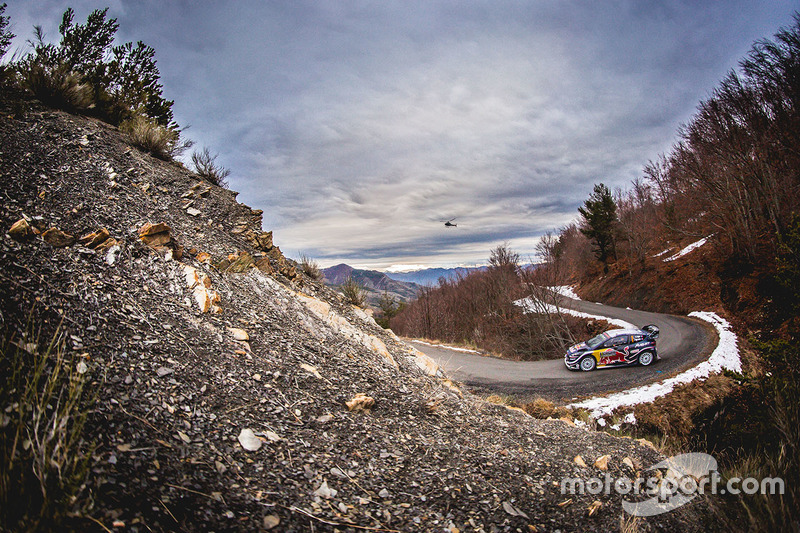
(360,127)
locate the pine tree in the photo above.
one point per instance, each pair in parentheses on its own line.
(599,222)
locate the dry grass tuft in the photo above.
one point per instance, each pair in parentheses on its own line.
(57,87)
(42,446)
(206,167)
(146,134)
(310,267)
(540,408)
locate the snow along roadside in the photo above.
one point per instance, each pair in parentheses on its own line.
(724,356)
(532,305)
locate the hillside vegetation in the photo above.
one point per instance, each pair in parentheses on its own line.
(715,225)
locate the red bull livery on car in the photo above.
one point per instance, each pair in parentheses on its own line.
(618,347)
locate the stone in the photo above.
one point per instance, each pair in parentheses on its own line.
(264,240)
(203,257)
(263,265)
(107,244)
(249,441)
(203,298)
(602,462)
(579,461)
(153,229)
(629,463)
(360,402)
(271,521)
(272,436)
(193,212)
(239,334)
(95,239)
(157,240)
(513,511)
(21,231)
(192,277)
(324,491)
(57,238)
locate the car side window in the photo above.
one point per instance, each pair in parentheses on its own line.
(637,338)
(617,341)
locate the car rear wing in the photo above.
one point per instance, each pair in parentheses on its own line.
(652,331)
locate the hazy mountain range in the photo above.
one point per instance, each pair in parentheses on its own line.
(402,285)
(430,276)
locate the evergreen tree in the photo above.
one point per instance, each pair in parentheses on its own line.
(599,222)
(5,35)
(120,82)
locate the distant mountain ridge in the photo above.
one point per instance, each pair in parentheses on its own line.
(430,276)
(373,281)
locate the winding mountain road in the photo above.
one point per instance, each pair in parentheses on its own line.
(682,343)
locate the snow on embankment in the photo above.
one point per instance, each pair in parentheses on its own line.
(688,249)
(725,356)
(566,290)
(534,305)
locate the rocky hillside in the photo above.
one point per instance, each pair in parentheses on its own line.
(231,393)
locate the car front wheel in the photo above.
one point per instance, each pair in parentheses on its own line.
(646,358)
(588,364)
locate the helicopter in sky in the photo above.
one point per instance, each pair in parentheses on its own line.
(449,223)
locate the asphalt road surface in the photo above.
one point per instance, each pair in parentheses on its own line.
(682,343)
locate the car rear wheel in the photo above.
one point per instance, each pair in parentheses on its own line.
(646,358)
(588,363)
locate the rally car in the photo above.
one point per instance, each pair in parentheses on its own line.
(618,347)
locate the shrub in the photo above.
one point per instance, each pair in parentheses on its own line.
(56,87)
(310,267)
(116,82)
(205,167)
(42,445)
(5,35)
(353,292)
(540,408)
(163,142)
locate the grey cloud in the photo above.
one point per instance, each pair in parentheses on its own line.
(359,126)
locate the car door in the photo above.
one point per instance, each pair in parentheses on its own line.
(615,351)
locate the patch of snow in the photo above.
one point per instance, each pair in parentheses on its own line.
(630,418)
(688,249)
(659,254)
(454,348)
(532,305)
(565,290)
(601,422)
(724,356)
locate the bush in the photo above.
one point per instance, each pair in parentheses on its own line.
(161,141)
(56,87)
(5,35)
(540,408)
(42,445)
(353,292)
(206,168)
(116,82)
(310,267)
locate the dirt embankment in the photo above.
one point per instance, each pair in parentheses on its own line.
(223,376)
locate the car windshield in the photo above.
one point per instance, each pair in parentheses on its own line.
(594,342)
